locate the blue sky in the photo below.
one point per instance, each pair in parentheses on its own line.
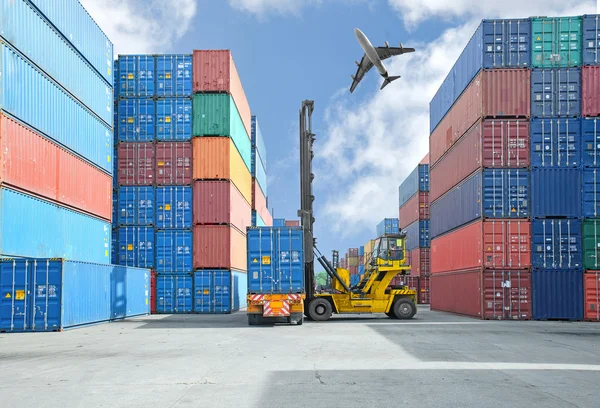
(290,50)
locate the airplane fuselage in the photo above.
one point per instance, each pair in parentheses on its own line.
(370,52)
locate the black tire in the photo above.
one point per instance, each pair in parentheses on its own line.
(404,309)
(296,318)
(254,319)
(320,310)
(390,314)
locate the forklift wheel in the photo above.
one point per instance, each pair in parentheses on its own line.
(296,318)
(320,310)
(404,308)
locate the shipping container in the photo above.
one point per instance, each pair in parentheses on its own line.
(136,206)
(52,110)
(424,290)
(292,223)
(259,202)
(174,207)
(258,141)
(257,221)
(219,291)
(279,222)
(79,28)
(556,42)
(217,158)
(219,247)
(556,244)
(173,75)
(591,45)
(216,115)
(275,260)
(215,71)
(591,288)
(488,294)
(34,164)
(353,252)
(556,192)
(416,181)
(57,294)
(152,292)
(555,92)
(174,163)
(495,44)
(482,99)
(387,226)
(174,119)
(137,247)
(258,172)
(136,76)
(417,235)
(590,136)
(136,120)
(491,244)
(136,164)
(591,244)
(416,208)
(556,142)
(220,203)
(590,88)
(590,193)
(352,261)
(114,247)
(174,294)
(420,262)
(557,294)
(174,251)
(33,36)
(36,228)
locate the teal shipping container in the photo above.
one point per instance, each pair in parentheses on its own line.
(56,294)
(557,42)
(219,291)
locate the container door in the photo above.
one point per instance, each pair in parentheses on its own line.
(202,290)
(14,288)
(45,297)
(222,293)
(183,294)
(290,265)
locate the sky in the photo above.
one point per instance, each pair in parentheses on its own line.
(287,51)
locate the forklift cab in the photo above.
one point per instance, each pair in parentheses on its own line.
(389,251)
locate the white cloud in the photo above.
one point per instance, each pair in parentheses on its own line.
(261,8)
(142,26)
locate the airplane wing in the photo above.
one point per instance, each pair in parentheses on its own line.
(387,52)
(364,67)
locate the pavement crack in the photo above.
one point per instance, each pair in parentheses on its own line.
(318,377)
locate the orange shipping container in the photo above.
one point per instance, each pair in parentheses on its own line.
(219,247)
(31,163)
(591,295)
(215,71)
(216,158)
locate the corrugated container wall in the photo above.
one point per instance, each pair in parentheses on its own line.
(591,244)
(591,287)
(590,89)
(220,202)
(417,180)
(416,208)
(137,247)
(258,141)
(590,135)
(591,45)
(420,262)
(555,92)
(556,142)
(136,164)
(556,42)
(173,75)
(557,294)
(136,76)
(174,251)
(590,193)
(173,119)
(219,246)
(417,235)
(387,226)
(556,244)
(259,202)
(136,206)
(174,294)
(174,207)
(136,120)
(219,291)
(173,163)
(556,192)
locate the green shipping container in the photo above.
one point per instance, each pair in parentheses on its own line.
(591,244)
(217,115)
(557,42)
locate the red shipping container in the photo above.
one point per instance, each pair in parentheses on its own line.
(152,292)
(497,244)
(220,202)
(424,290)
(416,208)
(497,93)
(419,259)
(425,159)
(590,91)
(136,164)
(215,71)
(174,163)
(591,295)
(259,203)
(491,143)
(353,252)
(353,270)
(219,247)
(32,163)
(487,294)
(292,223)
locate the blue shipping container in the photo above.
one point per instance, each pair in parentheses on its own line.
(417,235)
(136,246)
(590,193)
(279,222)
(80,29)
(174,119)
(219,291)
(417,180)
(136,120)
(258,141)
(257,220)
(495,44)
(590,136)
(557,294)
(174,294)
(114,247)
(258,172)
(556,192)
(136,206)
(33,35)
(361,250)
(31,227)
(556,92)
(174,251)
(354,280)
(388,226)
(556,244)
(55,113)
(174,207)
(54,294)
(556,142)
(361,269)
(591,39)
(136,76)
(275,260)
(173,75)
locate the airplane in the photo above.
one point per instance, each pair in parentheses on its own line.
(373,57)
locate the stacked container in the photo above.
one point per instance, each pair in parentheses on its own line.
(479,191)
(56,120)
(353,261)
(354,279)
(260,212)
(414,221)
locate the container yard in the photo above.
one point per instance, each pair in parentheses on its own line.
(139,178)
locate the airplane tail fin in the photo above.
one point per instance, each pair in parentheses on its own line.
(389,80)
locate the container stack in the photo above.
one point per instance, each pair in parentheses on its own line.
(260,211)
(414,221)
(479,192)
(354,279)
(56,125)
(387,226)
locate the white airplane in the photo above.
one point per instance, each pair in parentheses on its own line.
(374,56)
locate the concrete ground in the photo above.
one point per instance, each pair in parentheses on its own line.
(435,360)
